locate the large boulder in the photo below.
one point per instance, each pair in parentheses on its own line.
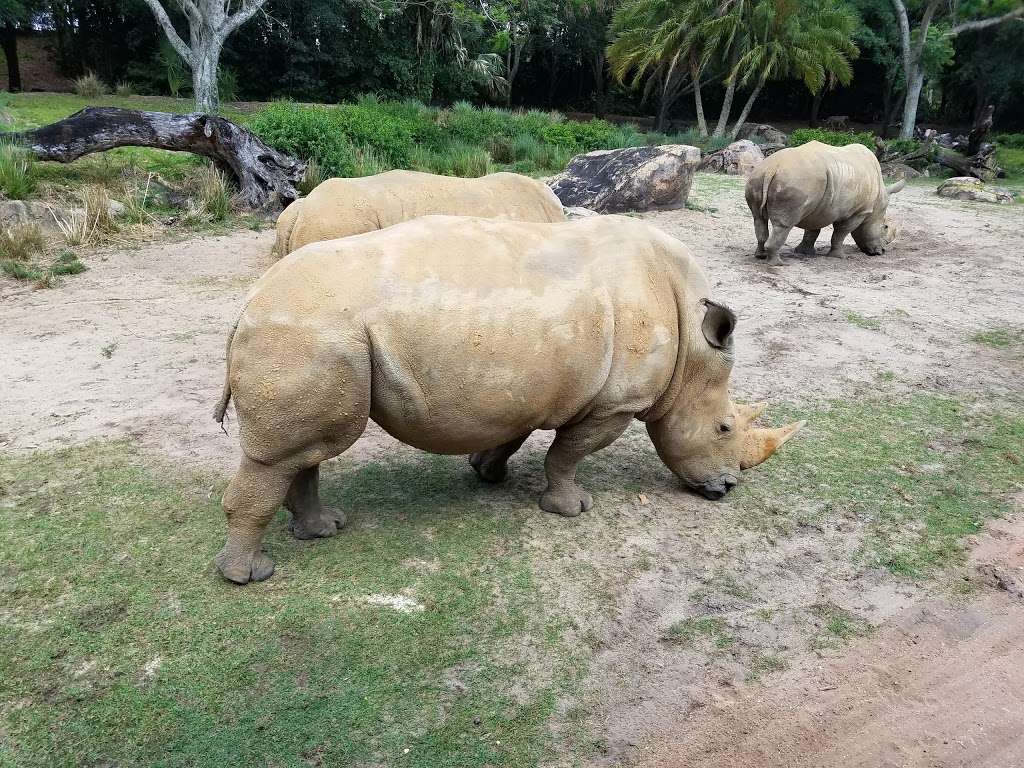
(762,134)
(894,170)
(970,188)
(632,179)
(738,159)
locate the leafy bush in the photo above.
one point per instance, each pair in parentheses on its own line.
(583,137)
(1010,140)
(17,172)
(835,138)
(227,84)
(307,133)
(89,86)
(902,146)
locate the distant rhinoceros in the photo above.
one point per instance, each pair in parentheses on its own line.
(344,207)
(815,185)
(462,335)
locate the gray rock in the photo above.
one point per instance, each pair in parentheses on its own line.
(578,212)
(970,188)
(738,159)
(760,133)
(18,213)
(632,179)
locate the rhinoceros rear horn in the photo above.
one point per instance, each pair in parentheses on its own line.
(719,322)
(892,189)
(746,414)
(759,444)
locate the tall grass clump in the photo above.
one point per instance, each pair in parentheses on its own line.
(89,86)
(17,172)
(124,89)
(211,196)
(312,178)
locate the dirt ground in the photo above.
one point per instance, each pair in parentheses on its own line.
(135,347)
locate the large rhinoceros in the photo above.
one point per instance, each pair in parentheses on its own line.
(344,207)
(462,335)
(813,186)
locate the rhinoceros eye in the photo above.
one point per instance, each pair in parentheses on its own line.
(724,428)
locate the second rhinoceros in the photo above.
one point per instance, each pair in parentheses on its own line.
(463,335)
(345,207)
(816,185)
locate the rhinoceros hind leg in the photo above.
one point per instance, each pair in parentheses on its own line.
(839,234)
(806,246)
(310,520)
(250,501)
(492,466)
(761,233)
(572,444)
(775,242)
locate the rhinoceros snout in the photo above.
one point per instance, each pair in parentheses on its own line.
(716,489)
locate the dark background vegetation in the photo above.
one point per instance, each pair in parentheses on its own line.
(329,51)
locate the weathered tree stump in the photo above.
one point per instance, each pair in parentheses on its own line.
(266,178)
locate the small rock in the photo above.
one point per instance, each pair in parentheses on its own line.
(738,159)
(970,188)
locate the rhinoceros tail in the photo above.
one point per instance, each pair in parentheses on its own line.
(225,396)
(766,183)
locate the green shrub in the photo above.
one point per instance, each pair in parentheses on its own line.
(17,172)
(1011,140)
(67,263)
(90,86)
(835,138)
(1011,160)
(227,84)
(370,125)
(582,137)
(124,89)
(902,146)
(367,161)
(307,133)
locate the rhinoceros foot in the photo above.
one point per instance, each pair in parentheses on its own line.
(244,568)
(775,261)
(569,502)
(805,250)
(320,525)
(488,468)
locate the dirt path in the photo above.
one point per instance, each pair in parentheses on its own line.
(135,347)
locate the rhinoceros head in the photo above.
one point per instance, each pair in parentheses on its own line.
(705,438)
(878,230)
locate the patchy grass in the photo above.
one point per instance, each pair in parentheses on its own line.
(690,632)
(835,626)
(1002,337)
(762,664)
(918,475)
(119,643)
(862,321)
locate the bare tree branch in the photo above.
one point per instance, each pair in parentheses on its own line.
(969,26)
(172,34)
(247,11)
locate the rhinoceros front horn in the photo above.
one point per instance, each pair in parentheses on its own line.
(759,444)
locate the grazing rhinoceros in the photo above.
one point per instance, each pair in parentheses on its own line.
(344,207)
(815,185)
(462,335)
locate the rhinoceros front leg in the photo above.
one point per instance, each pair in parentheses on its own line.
(309,518)
(775,242)
(492,466)
(252,498)
(571,445)
(806,246)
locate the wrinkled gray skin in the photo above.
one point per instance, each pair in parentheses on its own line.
(463,335)
(814,186)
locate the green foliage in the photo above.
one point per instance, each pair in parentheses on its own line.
(173,68)
(1001,337)
(67,263)
(124,89)
(580,137)
(1010,140)
(835,138)
(17,172)
(1011,160)
(227,84)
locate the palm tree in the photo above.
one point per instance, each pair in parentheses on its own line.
(807,39)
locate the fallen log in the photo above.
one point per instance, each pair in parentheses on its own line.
(266,178)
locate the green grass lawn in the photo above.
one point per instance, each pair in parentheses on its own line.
(120,644)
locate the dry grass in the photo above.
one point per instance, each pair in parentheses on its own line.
(90,86)
(211,197)
(312,178)
(90,222)
(21,243)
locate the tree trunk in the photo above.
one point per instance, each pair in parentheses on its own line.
(723,117)
(746,110)
(982,125)
(266,178)
(698,102)
(204,78)
(9,42)
(914,85)
(816,107)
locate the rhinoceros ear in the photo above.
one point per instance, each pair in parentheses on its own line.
(719,322)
